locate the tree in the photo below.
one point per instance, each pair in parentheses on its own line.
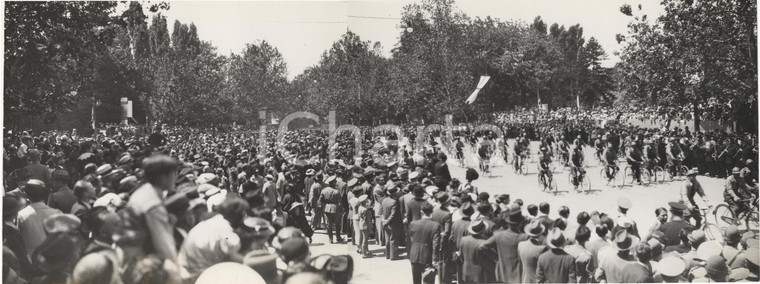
(696,52)
(49,49)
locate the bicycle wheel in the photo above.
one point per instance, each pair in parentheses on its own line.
(713,232)
(724,217)
(659,174)
(628,175)
(619,179)
(541,183)
(645,177)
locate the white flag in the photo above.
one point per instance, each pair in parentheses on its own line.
(481,83)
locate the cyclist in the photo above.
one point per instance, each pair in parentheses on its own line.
(563,148)
(634,159)
(484,151)
(674,155)
(610,158)
(460,151)
(599,146)
(517,149)
(576,161)
(690,188)
(650,154)
(735,190)
(544,160)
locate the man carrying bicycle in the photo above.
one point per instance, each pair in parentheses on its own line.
(576,161)
(735,191)
(544,160)
(690,188)
(634,159)
(610,158)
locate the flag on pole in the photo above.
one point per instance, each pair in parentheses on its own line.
(481,83)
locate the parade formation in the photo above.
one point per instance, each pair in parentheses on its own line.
(311,185)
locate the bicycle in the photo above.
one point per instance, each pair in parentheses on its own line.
(712,230)
(584,183)
(724,214)
(485,166)
(546,180)
(644,174)
(656,173)
(676,170)
(616,180)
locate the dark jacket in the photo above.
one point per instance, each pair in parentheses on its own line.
(390,212)
(636,272)
(413,209)
(425,236)
(555,266)
(443,217)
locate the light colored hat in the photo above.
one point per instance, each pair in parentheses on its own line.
(108,199)
(671,266)
(229,273)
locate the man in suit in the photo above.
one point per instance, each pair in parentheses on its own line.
(478,262)
(458,231)
(641,270)
(555,265)
(543,216)
(672,229)
(531,249)
(413,207)
(392,224)
(425,243)
(330,197)
(505,243)
(442,215)
(613,259)
(406,197)
(441,171)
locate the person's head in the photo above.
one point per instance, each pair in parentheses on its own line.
(36,190)
(102,223)
(582,234)
(427,209)
(233,209)
(601,231)
(543,207)
(161,171)
(683,235)
(560,223)
(485,209)
(662,215)
(59,179)
(583,218)
(532,209)
(564,211)
(94,268)
(716,268)
(84,191)
(643,252)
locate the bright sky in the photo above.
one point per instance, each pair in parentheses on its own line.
(303,30)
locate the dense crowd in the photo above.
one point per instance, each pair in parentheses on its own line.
(183,205)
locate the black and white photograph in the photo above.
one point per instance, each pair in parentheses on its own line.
(380,141)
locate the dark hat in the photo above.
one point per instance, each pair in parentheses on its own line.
(11,205)
(514,214)
(467,209)
(294,248)
(677,206)
(60,175)
(264,263)
(623,241)
(34,185)
(624,203)
(443,198)
(56,252)
(477,227)
(33,154)
(535,228)
(716,265)
(555,238)
(61,223)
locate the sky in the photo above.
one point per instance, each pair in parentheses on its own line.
(303,30)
